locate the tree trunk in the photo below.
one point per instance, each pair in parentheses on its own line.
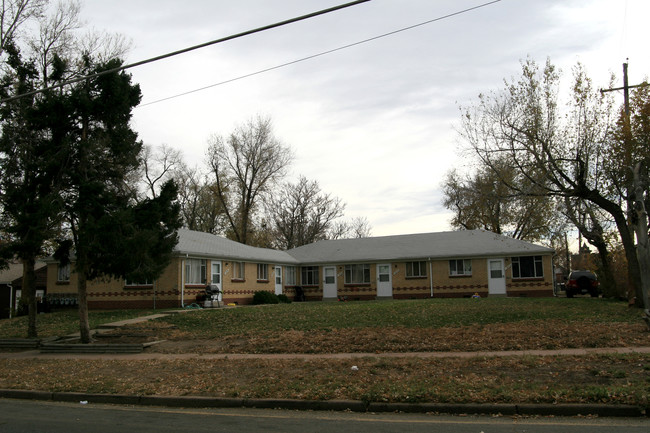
(81,241)
(633,270)
(643,245)
(84,325)
(28,294)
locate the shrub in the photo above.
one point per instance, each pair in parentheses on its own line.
(284,299)
(264,297)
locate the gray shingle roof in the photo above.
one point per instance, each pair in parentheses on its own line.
(457,244)
(15,271)
(198,244)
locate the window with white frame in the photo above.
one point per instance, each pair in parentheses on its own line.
(290,275)
(460,267)
(195,271)
(238,270)
(357,274)
(309,275)
(262,272)
(416,269)
(527,267)
(135,283)
(63,273)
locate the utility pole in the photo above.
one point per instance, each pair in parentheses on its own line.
(626,90)
(636,204)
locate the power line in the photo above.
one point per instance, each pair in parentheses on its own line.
(323,53)
(185,50)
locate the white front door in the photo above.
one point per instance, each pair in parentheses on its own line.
(329,282)
(384,281)
(216,277)
(278,280)
(496,277)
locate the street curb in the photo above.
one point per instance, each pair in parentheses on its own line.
(601,410)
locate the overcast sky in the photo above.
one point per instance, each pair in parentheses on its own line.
(374,124)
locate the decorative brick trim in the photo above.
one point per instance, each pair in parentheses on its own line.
(140,293)
(531,293)
(523,284)
(357,289)
(133,304)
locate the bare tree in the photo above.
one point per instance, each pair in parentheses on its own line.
(358,227)
(246,164)
(55,38)
(103,45)
(560,152)
(14,14)
(58,37)
(483,200)
(201,208)
(301,214)
(158,166)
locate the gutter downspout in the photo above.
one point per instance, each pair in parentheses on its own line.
(183,281)
(11,300)
(431,275)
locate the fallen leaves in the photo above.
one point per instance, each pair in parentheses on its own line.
(560,379)
(530,335)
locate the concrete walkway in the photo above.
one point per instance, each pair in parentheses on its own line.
(141,319)
(36,354)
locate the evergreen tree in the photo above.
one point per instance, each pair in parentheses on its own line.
(32,162)
(112,235)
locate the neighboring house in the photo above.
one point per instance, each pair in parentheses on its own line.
(11,284)
(448,264)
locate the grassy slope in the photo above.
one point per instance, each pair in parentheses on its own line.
(431,313)
(64,323)
(404,326)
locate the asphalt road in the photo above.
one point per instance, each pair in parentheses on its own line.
(51,417)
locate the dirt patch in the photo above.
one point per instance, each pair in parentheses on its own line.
(529,335)
(144,332)
(563,379)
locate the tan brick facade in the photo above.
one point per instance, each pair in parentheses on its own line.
(416,279)
(442,285)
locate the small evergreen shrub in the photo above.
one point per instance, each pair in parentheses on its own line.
(264,297)
(284,299)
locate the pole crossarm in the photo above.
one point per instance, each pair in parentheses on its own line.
(612,89)
(626,91)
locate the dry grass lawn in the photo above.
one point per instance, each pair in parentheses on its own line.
(372,328)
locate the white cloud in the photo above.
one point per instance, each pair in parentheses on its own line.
(373,124)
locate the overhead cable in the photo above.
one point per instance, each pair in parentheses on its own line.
(323,53)
(185,50)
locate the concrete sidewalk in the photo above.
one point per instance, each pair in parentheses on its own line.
(36,354)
